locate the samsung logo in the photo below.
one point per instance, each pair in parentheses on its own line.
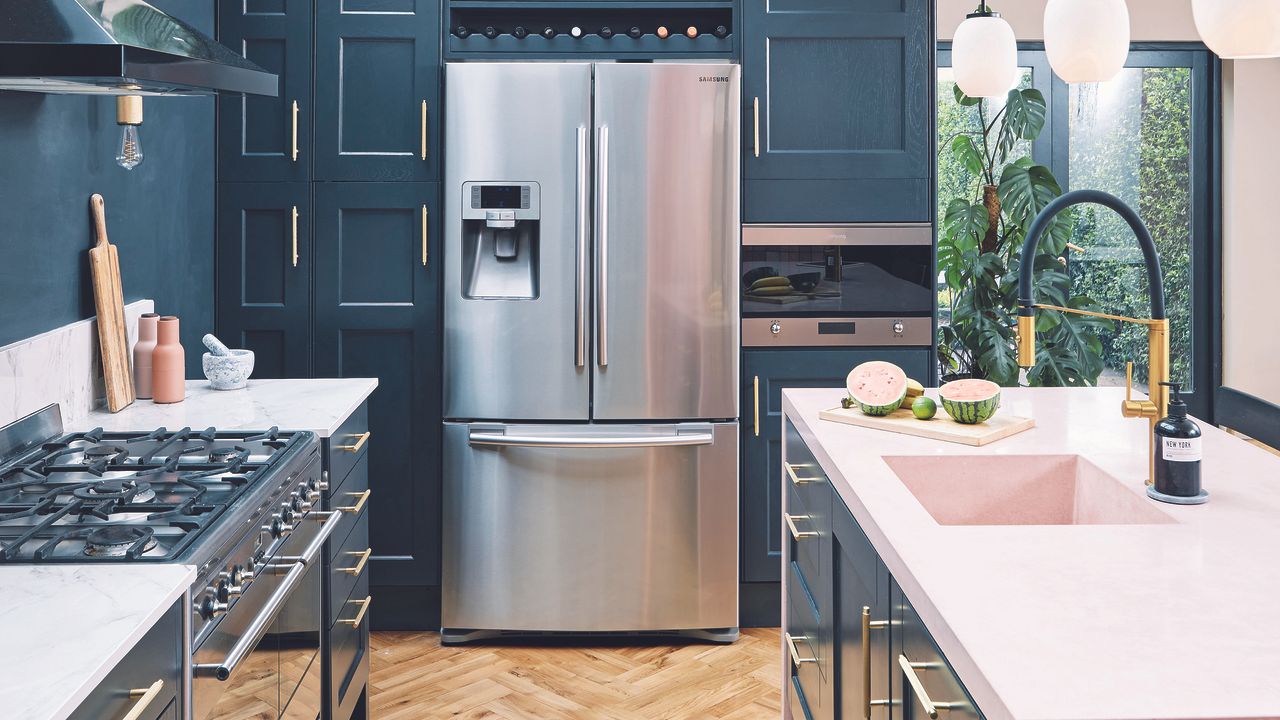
(714,78)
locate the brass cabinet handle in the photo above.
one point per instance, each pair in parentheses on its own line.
(364,608)
(796,533)
(295,236)
(355,569)
(757,125)
(295,131)
(867,626)
(795,653)
(355,509)
(424,236)
(145,697)
(757,405)
(361,439)
(796,479)
(424,129)
(930,707)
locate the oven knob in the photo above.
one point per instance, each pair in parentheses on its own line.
(210,608)
(297,505)
(278,526)
(775,327)
(519,32)
(548,32)
(606,32)
(462,31)
(286,514)
(222,591)
(898,327)
(490,32)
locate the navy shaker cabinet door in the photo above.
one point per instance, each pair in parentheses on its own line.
(838,111)
(377,85)
(377,315)
(762,473)
(264,274)
(267,138)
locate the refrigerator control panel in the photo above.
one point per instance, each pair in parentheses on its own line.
(483,199)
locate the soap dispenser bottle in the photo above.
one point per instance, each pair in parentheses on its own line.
(1177,449)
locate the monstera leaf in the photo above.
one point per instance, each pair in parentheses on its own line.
(966,152)
(1025,189)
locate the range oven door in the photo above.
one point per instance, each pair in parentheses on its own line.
(590,528)
(845,271)
(262,658)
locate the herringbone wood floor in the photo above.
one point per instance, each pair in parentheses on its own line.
(413,677)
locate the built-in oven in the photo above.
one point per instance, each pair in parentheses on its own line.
(259,656)
(833,285)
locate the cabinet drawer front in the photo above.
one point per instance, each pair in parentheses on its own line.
(802,474)
(348,564)
(919,655)
(349,652)
(349,495)
(807,665)
(808,545)
(796,700)
(347,446)
(156,657)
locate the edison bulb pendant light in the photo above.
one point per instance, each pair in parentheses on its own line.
(1087,41)
(129,117)
(984,55)
(1239,29)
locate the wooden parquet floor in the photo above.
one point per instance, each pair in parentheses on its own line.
(413,678)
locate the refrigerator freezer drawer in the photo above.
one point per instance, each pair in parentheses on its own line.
(590,528)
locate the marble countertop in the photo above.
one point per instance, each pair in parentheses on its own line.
(64,627)
(319,405)
(1086,622)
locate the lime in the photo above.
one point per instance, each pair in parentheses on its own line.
(924,408)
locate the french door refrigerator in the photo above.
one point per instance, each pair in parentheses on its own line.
(591,349)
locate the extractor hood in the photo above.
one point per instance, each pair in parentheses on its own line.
(116,47)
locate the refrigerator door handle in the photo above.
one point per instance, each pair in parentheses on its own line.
(580,302)
(602,247)
(570,441)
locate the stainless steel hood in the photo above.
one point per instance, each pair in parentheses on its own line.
(116,47)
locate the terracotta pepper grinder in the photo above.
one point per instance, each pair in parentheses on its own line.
(168,363)
(142,351)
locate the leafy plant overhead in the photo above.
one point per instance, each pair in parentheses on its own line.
(980,248)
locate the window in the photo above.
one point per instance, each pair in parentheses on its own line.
(1148,137)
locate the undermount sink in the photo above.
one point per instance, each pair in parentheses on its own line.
(1021,490)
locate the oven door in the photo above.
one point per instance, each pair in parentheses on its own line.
(261,661)
(837,271)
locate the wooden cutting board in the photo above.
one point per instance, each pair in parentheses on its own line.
(941,427)
(113,340)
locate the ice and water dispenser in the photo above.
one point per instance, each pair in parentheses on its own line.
(500,241)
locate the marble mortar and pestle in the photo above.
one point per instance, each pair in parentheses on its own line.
(225,368)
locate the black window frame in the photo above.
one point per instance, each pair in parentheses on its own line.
(1206,184)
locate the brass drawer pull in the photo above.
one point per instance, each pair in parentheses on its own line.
(756,106)
(867,626)
(295,236)
(796,479)
(424,236)
(795,653)
(930,707)
(364,607)
(355,509)
(361,439)
(295,131)
(757,405)
(424,129)
(359,566)
(796,533)
(145,697)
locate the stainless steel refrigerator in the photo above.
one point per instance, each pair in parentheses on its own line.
(591,349)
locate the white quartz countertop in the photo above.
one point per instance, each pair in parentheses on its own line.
(319,405)
(63,628)
(1082,622)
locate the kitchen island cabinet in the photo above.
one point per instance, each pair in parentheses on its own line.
(1011,615)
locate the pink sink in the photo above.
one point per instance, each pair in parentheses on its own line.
(1022,490)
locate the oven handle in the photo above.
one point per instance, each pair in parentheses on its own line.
(258,627)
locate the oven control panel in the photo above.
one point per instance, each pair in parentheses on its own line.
(837,332)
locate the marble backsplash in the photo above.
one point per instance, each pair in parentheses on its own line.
(60,366)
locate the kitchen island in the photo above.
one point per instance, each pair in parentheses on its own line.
(1067,596)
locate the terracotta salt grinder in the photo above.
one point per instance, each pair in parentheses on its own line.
(168,363)
(142,351)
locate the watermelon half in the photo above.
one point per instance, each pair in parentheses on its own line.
(877,387)
(970,401)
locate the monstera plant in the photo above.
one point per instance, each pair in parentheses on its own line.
(980,251)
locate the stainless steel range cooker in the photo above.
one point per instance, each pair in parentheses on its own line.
(240,506)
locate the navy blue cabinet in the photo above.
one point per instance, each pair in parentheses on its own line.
(376,315)
(838,110)
(267,138)
(263,271)
(377,90)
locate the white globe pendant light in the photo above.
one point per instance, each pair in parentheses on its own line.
(1239,29)
(984,55)
(1087,41)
